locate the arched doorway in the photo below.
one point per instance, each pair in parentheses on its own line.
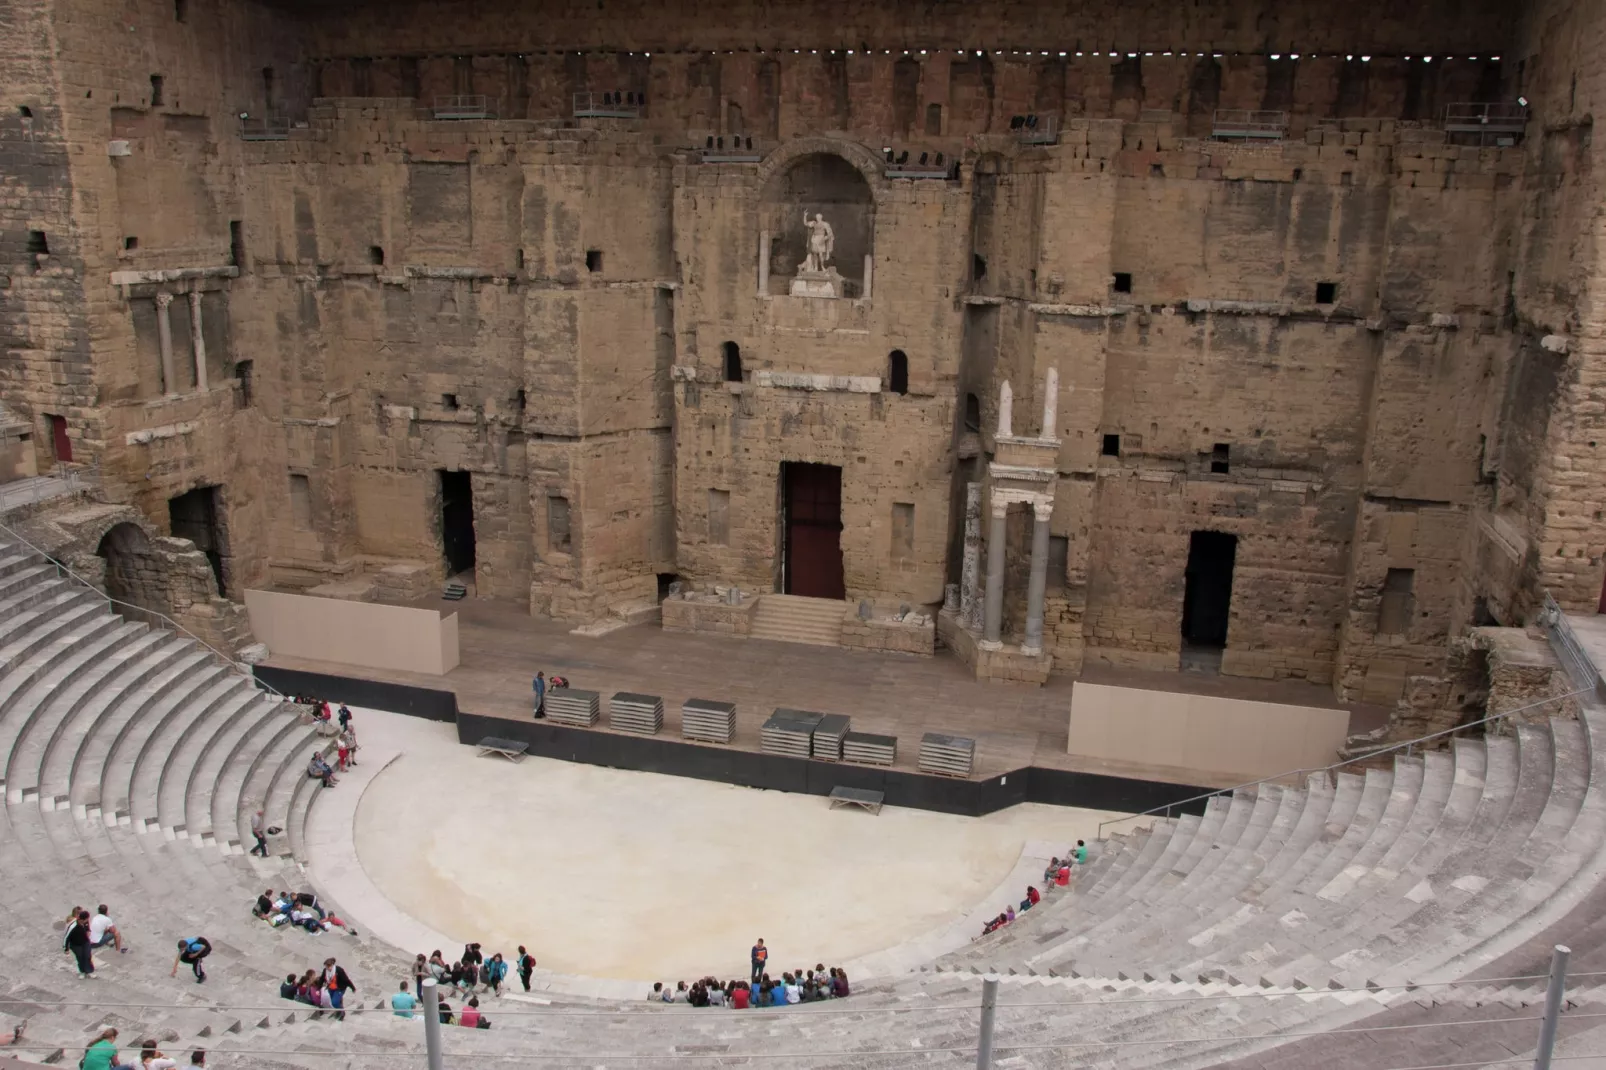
(131,568)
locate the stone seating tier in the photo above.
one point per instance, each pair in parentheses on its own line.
(135,758)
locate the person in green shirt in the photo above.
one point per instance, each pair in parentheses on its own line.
(102,1053)
(1080,853)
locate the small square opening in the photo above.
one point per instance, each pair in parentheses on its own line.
(1220,459)
(1112,446)
(978,266)
(593,259)
(1123,282)
(37,243)
(1326,293)
(376,255)
(449,402)
(130,243)
(181,10)
(25,111)
(520,400)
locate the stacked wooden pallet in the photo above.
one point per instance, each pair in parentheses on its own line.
(789,732)
(568,705)
(708,720)
(632,712)
(948,755)
(869,749)
(828,736)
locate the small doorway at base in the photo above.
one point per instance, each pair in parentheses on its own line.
(1207,594)
(457,521)
(811,520)
(193,515)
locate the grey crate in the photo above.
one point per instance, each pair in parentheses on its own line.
(869,749)
(567,705)
(828,736)
(708,720)
(632,712)
(948,755)
(789,732)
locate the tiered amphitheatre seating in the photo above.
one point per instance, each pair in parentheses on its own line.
(135,758)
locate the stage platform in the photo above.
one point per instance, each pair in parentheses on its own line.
(1016,727)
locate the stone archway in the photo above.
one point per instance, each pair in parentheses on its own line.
(133,574)
(821,183)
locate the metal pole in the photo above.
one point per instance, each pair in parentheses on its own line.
(989,1002)
(1553,997)
(432,1022)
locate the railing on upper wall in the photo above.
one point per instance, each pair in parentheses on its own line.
(1236,124)
(66,479)
(1035,129)
(1501,124)
(463,106)
(264,128)
(613,104)
(1574,658)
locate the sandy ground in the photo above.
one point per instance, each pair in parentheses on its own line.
(628,875)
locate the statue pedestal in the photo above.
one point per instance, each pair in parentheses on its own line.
(817,284)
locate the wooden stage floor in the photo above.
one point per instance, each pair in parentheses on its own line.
(1014,725)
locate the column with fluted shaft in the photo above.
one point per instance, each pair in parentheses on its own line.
(1038,583)
(164,338)
(994,612)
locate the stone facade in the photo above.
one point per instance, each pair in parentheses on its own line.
(247,255)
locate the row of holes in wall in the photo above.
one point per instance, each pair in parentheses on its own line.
(897,367)
(1326,292)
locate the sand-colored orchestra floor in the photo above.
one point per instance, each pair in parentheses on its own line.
(629,875)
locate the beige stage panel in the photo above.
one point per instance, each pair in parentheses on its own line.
(354,633)
(1219,737)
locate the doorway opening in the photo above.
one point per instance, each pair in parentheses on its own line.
(457,521)
(1207,593)
(193,515)
(811,517)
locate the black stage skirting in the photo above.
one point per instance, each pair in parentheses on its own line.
(661,754)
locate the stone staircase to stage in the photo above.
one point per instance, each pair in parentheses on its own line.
(788,618)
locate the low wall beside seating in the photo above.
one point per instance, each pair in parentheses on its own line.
(354,633)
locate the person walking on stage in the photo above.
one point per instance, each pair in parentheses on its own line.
(526,967)
(539,686)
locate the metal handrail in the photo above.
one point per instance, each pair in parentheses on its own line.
(164,618)
(1407,746)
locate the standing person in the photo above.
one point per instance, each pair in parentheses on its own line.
(526,967)
(77,941)
(420,971)
(259,829)
(338,983)
(191,951)
(539,686)
(495,973)
(342,753)
(345,717)
(760,955)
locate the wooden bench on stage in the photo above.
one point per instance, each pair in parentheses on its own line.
(511,749)
(860,797)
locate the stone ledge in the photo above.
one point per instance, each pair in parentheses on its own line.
(884,634)
(851,384)
(706,615)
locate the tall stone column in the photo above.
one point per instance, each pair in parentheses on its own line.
(993,631)
(970,569)
(164,337)
(197,341)
(869,274)
(764,264)
(1038,582)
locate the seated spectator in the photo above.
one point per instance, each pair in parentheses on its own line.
(438,968)
(264,906)
(1033,896)
(741,998)
(682,995)
(471,1016)
(287,989)
(318,769)
(1063,877)
(657,993)
(1080,853)
(103,931)
(794,991)
(309,990)
(839,987)
(152,1059)
(1051,871)
(447,1018)
(403,1002)
(1009,915)
(716,994)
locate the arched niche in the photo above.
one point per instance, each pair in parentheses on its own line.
(133,572)
(827,184)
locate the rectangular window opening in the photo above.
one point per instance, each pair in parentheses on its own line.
(449,402)
(978,266)
(519,400)
(156,91)
(130,243)
(300,502)
(1059,555)
(181,10)
(236,244)
(1220,459)
(37,243)
(1394,609)
(934,120)
(1326,293)
(903,532)
(376,255)
(593,259)
(557,524)
(242,372)
(1112,446)
(1123,282)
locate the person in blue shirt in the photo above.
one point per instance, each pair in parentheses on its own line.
(539,686)
(403,1002)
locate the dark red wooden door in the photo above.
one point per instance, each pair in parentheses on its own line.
(58,438)
(814,530)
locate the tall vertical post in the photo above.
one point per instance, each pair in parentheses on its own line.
(869,274)
(432,1023)
(197,341)
(1037,584)
(164,338)
(993,627)
(764,264)
(984,1043)
(1553,997)
(970,568)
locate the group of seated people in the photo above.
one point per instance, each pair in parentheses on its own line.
(467,974)
(795,987)
(300,909)
(325,989)
(1057,874)
(403,1003)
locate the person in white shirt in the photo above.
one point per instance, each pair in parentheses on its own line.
(103,931)
(151,1059)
